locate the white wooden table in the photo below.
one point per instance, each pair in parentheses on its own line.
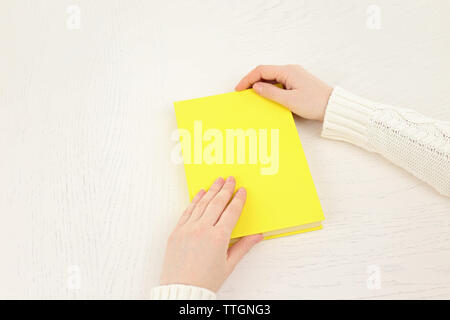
(88,193)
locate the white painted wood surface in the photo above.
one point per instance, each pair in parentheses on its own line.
(88,194)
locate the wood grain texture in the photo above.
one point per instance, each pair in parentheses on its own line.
(86,177)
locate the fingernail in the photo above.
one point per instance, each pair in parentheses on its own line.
(242,190)
(230,179)
(218,180)
(257,87)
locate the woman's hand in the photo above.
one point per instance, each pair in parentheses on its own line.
(197,251)
(304,94)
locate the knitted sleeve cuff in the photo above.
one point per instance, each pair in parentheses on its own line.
(181,292)
(347,118)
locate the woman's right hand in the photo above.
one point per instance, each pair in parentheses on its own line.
(303,93)
(198,252)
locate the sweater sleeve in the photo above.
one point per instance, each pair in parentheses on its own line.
(410,140)
(181,292)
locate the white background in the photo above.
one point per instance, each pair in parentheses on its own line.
(88,194)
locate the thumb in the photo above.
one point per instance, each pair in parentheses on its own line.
(272,92)
(241,247)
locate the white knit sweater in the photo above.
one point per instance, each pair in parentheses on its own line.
(418,144)
(410,140)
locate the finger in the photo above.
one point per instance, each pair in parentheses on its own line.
(273,93)
(277,73)
(203,203)
(220,201)
(187,213)
(233,211)
(241,247)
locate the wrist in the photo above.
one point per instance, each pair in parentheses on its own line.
(323,102)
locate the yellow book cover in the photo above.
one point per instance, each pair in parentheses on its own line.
(255,140)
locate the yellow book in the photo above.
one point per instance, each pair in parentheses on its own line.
(255,140)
